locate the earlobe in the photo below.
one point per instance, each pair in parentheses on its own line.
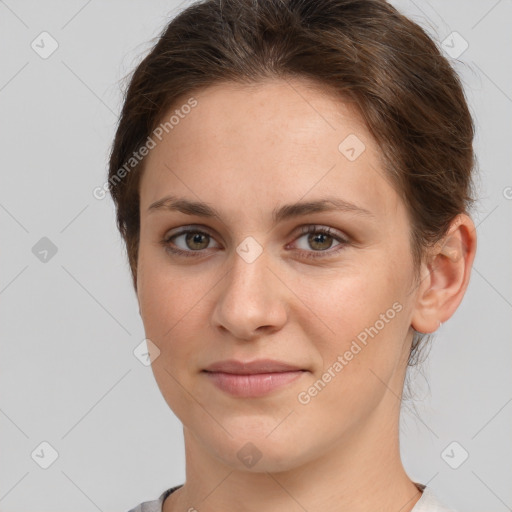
(439,327)
(446,276)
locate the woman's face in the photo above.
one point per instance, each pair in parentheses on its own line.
(250,285)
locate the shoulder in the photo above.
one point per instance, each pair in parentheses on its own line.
(429,502)
(154,505)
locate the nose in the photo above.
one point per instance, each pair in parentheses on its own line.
(251,299)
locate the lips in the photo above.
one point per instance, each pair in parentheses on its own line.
(252,378)
(251,367)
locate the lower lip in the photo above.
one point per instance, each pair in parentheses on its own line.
(254,385)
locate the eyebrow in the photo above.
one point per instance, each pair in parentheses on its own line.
(279,214)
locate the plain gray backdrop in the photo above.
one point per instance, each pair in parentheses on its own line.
(69,318)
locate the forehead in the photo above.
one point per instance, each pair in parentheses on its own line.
(291,111)
(274,141)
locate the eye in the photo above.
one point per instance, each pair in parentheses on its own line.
(320,239)
(193,241)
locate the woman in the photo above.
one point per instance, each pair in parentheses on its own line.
(292,181)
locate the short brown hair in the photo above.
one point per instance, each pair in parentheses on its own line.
(368,53)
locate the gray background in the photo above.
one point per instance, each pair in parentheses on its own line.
(69,325)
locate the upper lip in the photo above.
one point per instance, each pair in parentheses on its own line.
(251,367)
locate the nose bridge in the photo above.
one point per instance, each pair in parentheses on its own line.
(249,276)
(250,297)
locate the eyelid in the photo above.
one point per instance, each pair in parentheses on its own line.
(300,230)
(320,228)
(333,233)
(183,230)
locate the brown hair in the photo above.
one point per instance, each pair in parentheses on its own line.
(368,53)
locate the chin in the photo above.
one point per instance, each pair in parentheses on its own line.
(260,453)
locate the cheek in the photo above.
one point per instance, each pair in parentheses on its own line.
(165,294)
(360,352)
(175,306)
(366,320)
(164,298)
(167,305)
(351,301)
(169,314)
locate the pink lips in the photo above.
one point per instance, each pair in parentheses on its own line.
(253,378)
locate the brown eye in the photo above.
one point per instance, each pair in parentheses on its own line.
(320,239)
(187,242)
(196,240)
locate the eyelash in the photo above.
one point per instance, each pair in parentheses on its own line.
(305,230)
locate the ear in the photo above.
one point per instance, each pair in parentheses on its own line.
(445,276)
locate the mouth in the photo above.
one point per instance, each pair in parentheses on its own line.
(252,378)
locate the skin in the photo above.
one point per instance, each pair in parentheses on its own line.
(246,150)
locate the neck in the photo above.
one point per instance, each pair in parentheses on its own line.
(362,472)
